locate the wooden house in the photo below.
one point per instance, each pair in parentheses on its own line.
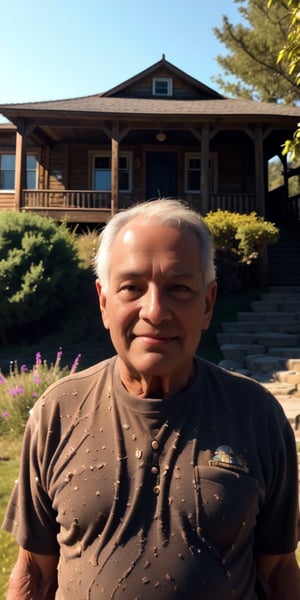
(160,133)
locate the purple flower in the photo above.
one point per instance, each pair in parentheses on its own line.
(36,376)
(38,358)
(59,355)
(75,363)
(24,369)
(5,415)
(2,379)
(16,390)
(35,395)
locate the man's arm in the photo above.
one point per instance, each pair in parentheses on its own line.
(279,576)
(34,576)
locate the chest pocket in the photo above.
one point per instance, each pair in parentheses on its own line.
(227,506)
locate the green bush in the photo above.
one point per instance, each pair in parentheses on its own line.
(240,240)
(246,235)
(39,268)
(87,245)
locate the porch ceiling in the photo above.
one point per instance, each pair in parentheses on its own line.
(134,131)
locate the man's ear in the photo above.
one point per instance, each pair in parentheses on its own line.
(102,304)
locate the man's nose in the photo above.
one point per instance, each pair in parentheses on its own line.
(155,307)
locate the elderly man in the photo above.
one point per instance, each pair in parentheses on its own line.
(156,474)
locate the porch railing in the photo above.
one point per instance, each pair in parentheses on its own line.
(239,203)
(66,199)
(93,200)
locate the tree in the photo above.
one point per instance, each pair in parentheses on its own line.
(290,53)
(254,46)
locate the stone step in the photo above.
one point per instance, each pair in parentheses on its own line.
(268,316)
(275,306)
(265,363)
(290,353)
(280,389)
(267,339)
(289,377)
(281,296)
(279,289)
(238,352)
(236,338)
(293,364)
(285,326)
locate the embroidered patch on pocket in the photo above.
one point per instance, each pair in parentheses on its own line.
(225,457)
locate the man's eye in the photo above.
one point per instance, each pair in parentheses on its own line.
(180,290)
(129,289)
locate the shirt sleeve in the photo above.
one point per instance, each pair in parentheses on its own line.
(30,517)
(277,524)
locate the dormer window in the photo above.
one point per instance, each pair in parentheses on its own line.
(162,86)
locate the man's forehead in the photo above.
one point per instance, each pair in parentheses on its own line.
(139,227)
(142,248)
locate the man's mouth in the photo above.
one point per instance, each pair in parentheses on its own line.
(155,339)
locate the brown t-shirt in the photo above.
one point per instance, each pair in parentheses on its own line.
(156,498)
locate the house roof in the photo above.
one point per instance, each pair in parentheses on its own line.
(165,65)
(133,99)
(110,106)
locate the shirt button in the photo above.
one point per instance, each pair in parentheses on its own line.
(154,470)
(155,445)
(138,453)
(156,490)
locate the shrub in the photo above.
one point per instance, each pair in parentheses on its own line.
(240,240)
(39,268)
(87,245)
(20,389)
(246,235)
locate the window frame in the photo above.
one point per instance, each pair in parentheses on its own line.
(212,171)
(105,154)
(158,80)
(27,170)
(4,153)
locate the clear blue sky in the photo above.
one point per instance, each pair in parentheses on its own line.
(51,49)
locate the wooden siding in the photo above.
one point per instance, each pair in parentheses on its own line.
(7,201)
(143,88)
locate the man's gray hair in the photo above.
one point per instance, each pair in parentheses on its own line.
(171,213)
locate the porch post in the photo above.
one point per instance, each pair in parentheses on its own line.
(204,184)
(114,169)
(259,171)
(19,166)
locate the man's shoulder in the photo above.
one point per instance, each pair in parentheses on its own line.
(236,389)
(81,380)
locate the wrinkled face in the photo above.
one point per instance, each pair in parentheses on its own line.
(157,303)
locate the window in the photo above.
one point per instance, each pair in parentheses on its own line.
(31,172)
(7,171)
(193,172)
(102,172)
(162,86)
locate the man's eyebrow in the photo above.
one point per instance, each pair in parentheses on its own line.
(120,275)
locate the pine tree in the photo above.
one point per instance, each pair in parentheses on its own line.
(254,45)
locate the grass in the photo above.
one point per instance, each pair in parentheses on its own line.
(82,332)
(9,466)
